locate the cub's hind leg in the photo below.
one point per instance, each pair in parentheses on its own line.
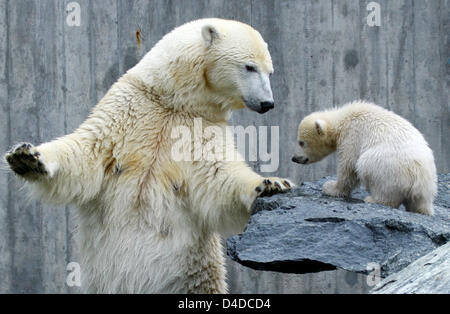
(419,204)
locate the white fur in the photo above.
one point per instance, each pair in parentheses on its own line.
(150,224)
(377,148)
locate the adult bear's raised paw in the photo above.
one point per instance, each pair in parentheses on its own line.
(24,161)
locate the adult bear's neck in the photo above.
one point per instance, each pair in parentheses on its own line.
(179,79)
(184,90)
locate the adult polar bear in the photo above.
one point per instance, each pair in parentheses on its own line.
(149,223)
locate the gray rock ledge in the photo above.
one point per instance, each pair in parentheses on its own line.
(429,274)
(304,231)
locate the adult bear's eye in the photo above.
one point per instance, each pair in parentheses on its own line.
(251,68)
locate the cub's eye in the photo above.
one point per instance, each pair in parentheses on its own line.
(301,143)
(251,68)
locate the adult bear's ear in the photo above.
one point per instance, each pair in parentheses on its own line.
(209,34)
(320,127)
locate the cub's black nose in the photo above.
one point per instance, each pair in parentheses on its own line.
(267,105)
(300,160)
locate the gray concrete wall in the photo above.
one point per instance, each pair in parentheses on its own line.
(324,53)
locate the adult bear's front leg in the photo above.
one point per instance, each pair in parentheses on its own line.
(62,171)
(25,161)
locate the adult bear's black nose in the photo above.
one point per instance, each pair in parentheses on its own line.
(267,105)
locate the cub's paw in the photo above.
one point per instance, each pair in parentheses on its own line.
(330,188)
(271,186)
(369,199)
(24,161)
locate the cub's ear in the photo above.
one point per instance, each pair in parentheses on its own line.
(210,35)
(320,127)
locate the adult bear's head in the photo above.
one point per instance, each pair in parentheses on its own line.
(238,63)
(210,67)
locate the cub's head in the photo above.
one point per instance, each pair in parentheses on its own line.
(316,138)
(238,64)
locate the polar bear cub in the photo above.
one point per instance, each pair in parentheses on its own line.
(375,147)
